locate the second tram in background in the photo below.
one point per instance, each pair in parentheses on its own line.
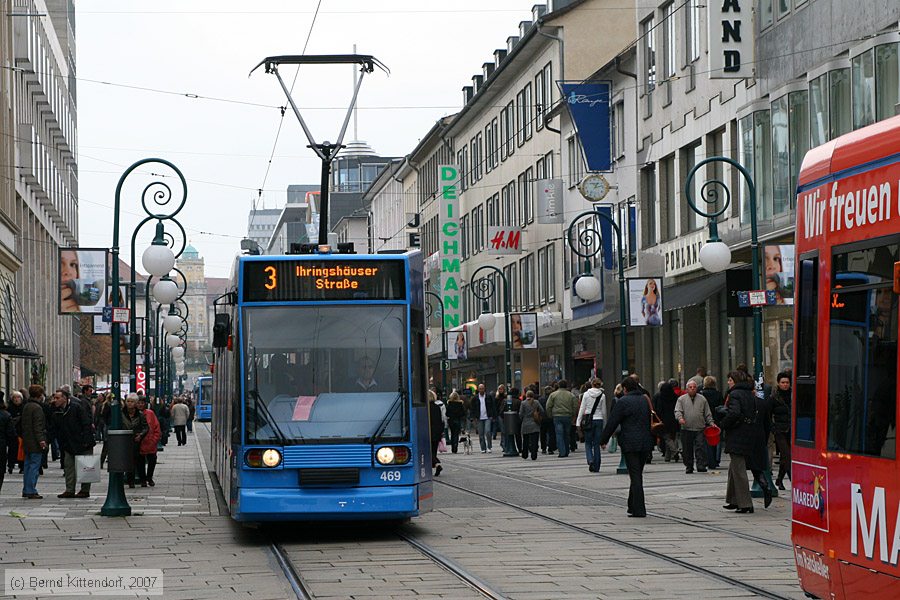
(320,388)
(203,398)
(845,476)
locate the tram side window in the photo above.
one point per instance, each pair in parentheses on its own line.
(805,367)
(862,367)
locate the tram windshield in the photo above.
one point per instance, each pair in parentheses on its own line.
(325,374)
(206,392)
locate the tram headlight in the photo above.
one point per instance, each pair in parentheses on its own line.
(392,455)
(271,458)
(262,457)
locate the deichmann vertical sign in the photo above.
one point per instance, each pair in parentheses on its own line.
(449,240)
(731,39)
(588,104)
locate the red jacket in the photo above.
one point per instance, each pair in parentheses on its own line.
(150,441)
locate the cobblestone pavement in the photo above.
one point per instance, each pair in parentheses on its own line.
(176,527)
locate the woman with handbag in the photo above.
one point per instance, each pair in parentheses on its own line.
(456,414)
(746,423)
(531,413)
(664,405)
(591,415)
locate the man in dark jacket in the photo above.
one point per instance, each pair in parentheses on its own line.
(72,426)
(7,436)
(747,423)
(632,413)
(34,440)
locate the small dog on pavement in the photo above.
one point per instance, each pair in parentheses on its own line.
(467,444)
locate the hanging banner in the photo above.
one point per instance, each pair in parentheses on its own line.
(82,280)
(523,330)
(645,306)
(504,240)
(457,348)
(779,264)
(550,201)
(140,380)
(607,235)
(450,247)
(588,104)
(731,39)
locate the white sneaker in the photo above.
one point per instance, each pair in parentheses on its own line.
(483,451)
(489,450)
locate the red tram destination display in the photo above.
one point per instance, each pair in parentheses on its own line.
(297,280)
(845,480)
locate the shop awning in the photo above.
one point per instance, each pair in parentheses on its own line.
(16,338)
(693,292)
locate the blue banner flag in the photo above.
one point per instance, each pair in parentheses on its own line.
(588,104)
(607,234)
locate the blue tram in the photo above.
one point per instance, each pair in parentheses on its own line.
(203,398)
(320,390)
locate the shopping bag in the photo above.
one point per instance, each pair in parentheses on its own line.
(442,445)
(20,456)
(87,468)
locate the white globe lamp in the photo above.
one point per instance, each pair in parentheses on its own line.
(165,291)
(158,259)
(486,321)
(178,352)
(715,256)
(172,323)
(587,287)
(173,340)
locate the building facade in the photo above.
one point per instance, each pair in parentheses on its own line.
(39,189)
(199,337)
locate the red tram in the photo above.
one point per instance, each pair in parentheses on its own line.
(845,476)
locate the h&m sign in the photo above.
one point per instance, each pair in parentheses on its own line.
(731,39)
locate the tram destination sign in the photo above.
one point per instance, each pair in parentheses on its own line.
(297,280)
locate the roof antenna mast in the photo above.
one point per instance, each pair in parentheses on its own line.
(326,151)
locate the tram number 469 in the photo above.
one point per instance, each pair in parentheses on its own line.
(390,475)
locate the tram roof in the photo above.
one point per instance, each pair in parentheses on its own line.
(866,145)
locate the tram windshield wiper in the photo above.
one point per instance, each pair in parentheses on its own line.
(259,403)
(382,426)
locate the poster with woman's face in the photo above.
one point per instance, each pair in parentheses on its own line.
(82,280)
(457,347)
(645,307)
(778,261)
(523,330)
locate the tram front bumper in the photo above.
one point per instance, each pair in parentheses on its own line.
(280,504)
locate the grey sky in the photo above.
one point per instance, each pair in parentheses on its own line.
(207,48)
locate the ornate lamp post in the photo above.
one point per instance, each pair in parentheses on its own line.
(484,291)
(437,297)
(587,286)
(158,260)
(715,256)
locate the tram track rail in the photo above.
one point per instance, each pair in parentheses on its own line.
(708,573)
(302,590)
(613,500)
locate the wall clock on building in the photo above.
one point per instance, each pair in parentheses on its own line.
(594,187)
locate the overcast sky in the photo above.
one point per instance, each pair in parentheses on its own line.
(221,140)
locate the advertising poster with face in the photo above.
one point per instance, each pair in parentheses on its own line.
(457,346)
(779,263)
(523,330)
(82,280)
(645,307)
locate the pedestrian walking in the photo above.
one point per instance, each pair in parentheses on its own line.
(180,414)
(562,406)
(8,439)
(664,404)
(148,447)
(14,446)
(693,414)
(136,421)
(483,411)
(191,414)
(531,414)
(591,415)
(717,407)
(437,416)
(456,415)
(631,412)
(548,433)
(75,434)
(33,428)
(746,423)
(781,421)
